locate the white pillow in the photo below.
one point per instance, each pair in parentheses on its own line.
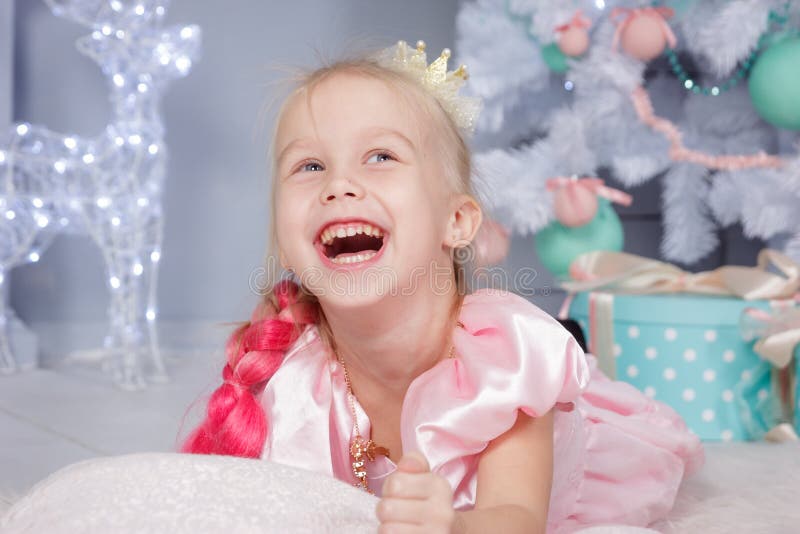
(183,493)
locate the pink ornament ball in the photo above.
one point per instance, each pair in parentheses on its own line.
(643,37)
(574,41)
(575,205)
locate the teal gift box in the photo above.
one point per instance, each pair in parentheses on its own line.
(686,350)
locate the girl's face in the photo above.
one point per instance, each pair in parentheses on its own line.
(362,206)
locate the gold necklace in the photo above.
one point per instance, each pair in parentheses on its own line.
(361,449)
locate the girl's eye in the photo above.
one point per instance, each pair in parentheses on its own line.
(378,157)
(311,166)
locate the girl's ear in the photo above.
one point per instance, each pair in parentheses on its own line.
(465,219)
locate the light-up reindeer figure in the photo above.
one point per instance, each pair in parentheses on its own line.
(109,186)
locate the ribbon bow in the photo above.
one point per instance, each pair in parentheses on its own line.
(578,20)
(623,16)
(594,185)
(628,273)
(777,335)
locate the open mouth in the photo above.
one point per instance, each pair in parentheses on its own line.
(352,242)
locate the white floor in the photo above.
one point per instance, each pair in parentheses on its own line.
(50,418)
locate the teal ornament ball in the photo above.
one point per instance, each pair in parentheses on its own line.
(557,245)
(680,6)
(775,83)
(555,58)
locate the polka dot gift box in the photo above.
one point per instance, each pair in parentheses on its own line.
(687,351)
(686,339)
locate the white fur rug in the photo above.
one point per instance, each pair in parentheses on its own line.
(744,487)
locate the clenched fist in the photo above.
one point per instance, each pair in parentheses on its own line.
(414,500)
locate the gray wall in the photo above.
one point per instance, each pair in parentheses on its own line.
(215,197)
(6,63)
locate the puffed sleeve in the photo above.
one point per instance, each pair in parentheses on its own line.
(529,359)
(510,356)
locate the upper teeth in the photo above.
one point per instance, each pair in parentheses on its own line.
(348,230)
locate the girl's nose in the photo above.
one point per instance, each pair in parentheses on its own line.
(339,188)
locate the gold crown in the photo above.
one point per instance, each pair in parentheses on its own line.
(444,85)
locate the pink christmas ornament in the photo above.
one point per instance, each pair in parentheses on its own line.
(575,202)
(491,243)
(573,38)
(574,206)
(644,32)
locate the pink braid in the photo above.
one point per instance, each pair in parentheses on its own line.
(236,424)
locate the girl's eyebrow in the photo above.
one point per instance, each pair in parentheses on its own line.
(292,144)
(367,133)
(380,130)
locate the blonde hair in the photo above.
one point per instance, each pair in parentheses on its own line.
(457,161)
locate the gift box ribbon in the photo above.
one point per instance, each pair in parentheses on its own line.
(777,336)
(621,272)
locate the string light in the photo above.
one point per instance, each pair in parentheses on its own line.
(99,184)
(775,19)
(691,85)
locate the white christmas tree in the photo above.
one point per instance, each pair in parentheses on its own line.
(544,124)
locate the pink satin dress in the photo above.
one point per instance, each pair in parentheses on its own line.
(619,456)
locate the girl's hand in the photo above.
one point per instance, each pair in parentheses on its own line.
(415,500)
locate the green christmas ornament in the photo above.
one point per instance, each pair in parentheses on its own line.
(557,245)
(775,83)
(680,6)
(554,57)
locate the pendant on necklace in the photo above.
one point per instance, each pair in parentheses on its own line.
(360,451)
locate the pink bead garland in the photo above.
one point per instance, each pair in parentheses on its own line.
(678,152)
